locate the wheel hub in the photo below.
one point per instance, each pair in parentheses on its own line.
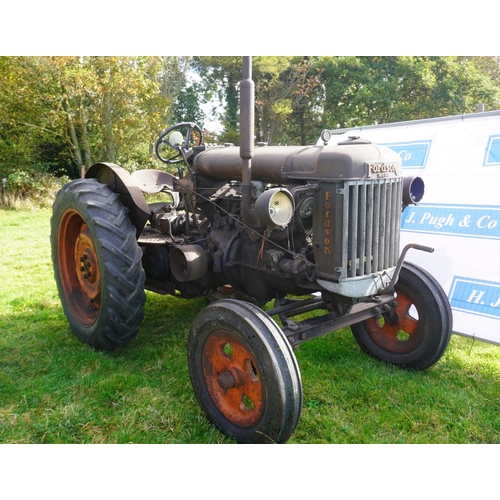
(78,268)
(86,263)
(401,332)
(232,379)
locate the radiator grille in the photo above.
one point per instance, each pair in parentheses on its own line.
(371,225)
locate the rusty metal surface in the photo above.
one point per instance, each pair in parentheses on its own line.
(280,164)
(79,268)
(122,183)
(401,337)
(153,181)
(298,332)
(232,379)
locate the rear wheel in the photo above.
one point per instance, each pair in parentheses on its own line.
(417,335)
(97,264)
(244,373)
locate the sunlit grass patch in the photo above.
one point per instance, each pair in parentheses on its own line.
(54,389)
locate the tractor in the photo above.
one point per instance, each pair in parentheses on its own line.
(314,229)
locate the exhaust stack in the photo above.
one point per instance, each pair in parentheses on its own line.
(247,99)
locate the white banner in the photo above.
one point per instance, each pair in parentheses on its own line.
(458,158)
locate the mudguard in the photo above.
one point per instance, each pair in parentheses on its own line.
(123,184)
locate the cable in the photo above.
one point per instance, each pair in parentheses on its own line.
(263,236)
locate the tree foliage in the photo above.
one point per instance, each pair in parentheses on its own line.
(220,80)
(298,96)
(283,92)
(59,113)
(371,90)
(82,110)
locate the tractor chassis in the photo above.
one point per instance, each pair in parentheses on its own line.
(298,332)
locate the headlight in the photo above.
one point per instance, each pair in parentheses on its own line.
(275,207)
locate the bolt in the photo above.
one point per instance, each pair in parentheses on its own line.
(85,268)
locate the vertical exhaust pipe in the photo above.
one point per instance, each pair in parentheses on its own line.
(247,120)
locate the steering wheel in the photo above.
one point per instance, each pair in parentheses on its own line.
(172,138)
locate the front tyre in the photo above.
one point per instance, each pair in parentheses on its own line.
(244,373)
(418,334)
(97,264)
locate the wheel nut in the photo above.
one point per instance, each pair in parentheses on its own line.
(226,380)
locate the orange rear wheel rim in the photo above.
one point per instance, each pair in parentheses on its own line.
(79,268)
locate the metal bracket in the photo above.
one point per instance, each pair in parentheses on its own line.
(395,276)
(298,332)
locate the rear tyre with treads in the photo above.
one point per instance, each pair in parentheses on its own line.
(97,264)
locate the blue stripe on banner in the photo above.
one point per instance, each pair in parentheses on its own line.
(492,154)
(413,154)
(469,221)
(475,296)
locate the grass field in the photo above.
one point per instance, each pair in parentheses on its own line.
(54,389)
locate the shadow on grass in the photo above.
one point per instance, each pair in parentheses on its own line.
(55,389)
(167,319)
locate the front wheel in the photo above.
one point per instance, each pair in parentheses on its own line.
(97,264)
(416,335)
(244,373)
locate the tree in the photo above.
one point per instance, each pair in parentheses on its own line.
(27,119)
(220,77)
(87,108)
(187,106)
(283,86)
(371,90)
(58,113)
(294,111)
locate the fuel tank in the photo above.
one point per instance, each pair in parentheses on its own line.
(350,160)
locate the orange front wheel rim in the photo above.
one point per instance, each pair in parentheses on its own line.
(399,337)
(232,378)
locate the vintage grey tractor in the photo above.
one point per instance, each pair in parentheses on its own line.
(316,229)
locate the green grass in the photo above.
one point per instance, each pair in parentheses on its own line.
(54,389)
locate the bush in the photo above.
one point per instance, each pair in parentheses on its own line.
(31,188)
